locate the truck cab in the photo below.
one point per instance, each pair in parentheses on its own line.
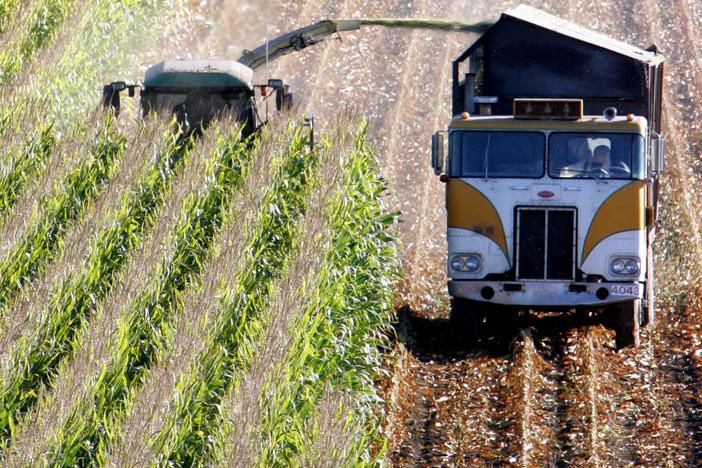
(552,175)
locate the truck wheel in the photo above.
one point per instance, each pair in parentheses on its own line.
(626,323)
(468,319)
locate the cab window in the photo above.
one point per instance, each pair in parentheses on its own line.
(496,154)
(596,155)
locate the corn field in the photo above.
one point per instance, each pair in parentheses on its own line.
(179,300)
(240,300)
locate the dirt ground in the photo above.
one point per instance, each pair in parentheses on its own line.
(548,393)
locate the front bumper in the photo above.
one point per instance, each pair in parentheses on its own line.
(545,293)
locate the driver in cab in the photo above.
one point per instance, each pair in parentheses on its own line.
(596,164)
(600,162)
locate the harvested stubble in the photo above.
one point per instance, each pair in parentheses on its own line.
(199,309)
(81,187)
(65,309)
(146,326)
(518,406)
(187,433)
(339,337)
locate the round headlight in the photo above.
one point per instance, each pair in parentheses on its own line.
(617,267)
(457,263)
(472,263)
(631,267)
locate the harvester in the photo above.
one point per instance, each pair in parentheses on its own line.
(195,91)
(554,156)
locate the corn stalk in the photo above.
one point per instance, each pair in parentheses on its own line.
(43,22)
(73,299)
(200,304)
(7,9)
(24,165)
(64,80)
(187,433)
(340,335)
(146,328)
(81,186)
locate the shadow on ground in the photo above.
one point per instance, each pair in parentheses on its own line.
(444,340)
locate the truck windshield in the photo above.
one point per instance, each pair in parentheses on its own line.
(496,154)
(596,155)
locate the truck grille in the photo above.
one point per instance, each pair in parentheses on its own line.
(545,243)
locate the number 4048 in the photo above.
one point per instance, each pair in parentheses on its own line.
(624,290)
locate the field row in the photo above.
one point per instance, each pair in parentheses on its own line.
(172,300)
(301,311)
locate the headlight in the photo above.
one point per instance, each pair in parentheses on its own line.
(472,263)
(625,266)
(468,263)
(631,267)
(617,267)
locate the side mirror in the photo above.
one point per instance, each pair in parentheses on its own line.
(275,84)
(657,153)
(437,152)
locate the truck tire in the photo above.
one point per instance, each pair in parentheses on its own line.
(468,320)
(627,317)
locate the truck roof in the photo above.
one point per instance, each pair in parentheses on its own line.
(529,53)
(199,74)
(587,123)
(558,25)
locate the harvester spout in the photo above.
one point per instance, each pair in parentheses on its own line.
(295,40)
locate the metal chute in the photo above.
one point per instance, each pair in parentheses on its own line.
(295,40)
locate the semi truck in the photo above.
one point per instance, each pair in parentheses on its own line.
(552,175)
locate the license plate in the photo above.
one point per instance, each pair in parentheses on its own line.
(624,290)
